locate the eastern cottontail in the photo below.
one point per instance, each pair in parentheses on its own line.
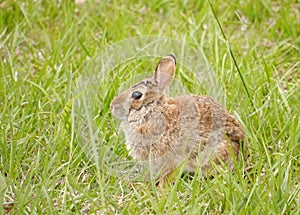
(167,132)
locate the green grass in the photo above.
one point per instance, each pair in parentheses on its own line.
(53,148)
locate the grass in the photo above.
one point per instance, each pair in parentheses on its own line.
(55,148)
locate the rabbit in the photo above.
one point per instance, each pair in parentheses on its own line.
(164,132)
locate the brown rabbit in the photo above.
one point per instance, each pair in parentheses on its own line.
(166,132)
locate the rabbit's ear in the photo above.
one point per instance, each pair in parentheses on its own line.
(165,71)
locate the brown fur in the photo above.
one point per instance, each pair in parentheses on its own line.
(166,132)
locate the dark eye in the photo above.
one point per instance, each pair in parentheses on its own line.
(136,95)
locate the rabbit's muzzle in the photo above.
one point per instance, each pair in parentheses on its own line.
(119,110)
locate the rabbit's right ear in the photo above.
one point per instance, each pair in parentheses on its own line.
(165,71)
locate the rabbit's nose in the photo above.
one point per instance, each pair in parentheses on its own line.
(111,106)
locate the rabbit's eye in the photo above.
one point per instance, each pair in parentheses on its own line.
(136,95)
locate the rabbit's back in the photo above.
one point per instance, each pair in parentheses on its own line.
(215,131)
(214,117)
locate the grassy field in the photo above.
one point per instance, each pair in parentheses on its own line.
(55,147)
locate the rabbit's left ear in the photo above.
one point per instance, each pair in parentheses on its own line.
(165,71)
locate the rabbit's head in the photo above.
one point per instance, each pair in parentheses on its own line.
(146,91)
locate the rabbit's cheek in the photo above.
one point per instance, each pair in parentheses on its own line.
(143,129)
(136,104)
(154,125)
(159,128)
